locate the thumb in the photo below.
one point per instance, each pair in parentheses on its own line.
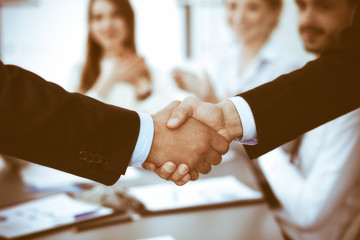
(181,113)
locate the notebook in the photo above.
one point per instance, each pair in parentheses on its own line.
(201,193)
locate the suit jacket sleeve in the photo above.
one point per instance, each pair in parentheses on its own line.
(42,123)
(309,97)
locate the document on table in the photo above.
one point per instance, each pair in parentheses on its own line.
(206,192)
(47,213)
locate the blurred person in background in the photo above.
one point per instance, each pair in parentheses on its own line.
(113,71)
(315,177)
(255,58)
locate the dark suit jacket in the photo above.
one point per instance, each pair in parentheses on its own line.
(302,100)
(42,123)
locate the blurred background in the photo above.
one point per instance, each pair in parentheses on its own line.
(211,49)
(48,37)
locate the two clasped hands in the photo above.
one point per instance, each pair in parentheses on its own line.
(190,137)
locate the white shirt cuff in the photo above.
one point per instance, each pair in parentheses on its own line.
(247,119)
(144,142)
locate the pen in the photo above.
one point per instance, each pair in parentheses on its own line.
(106,221)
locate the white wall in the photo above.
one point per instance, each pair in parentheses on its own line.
(159,31)
(46,38)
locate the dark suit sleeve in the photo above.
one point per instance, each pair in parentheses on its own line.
(42,123)
(309,97)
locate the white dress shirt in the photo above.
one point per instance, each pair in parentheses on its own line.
(320,191)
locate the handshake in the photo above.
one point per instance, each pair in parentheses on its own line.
(190,137)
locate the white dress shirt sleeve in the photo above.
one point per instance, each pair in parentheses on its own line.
(144,142)
(248,122)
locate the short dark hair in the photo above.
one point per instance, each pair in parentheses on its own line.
(353,2)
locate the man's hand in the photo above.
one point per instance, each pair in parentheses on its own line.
(193,144)
(167,171)
(222,117)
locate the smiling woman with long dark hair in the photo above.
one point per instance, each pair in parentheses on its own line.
(111,56)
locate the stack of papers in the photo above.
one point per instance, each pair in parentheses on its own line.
(46,213)
(213,191)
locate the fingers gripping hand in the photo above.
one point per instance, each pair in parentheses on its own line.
(180,175)
(207,113)
(222,117)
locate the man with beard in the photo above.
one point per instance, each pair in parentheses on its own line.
(321,22)
(315,177)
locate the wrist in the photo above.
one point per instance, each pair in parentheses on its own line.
(232,119)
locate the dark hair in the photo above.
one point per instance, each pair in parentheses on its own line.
(91,69)
(275,4)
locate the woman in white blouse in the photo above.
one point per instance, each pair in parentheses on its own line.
(111,51)
(113,71)
(255,58)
